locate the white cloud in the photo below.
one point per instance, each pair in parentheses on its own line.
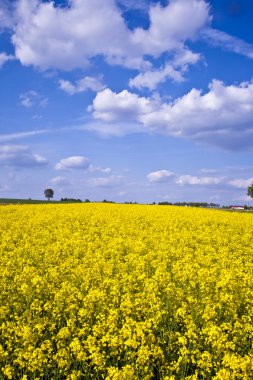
(86,83)
(187,179)
(20,156)
(5,58)
(160,176)
(42,39)
(227,42)
(109,106)
(73,162)
(185,58)
(222,116)
(172,25)
(241,183)
(173,69)
(111,181)
(163,176)
(150,79)
(32,98)
(88,34)
(193,180)
(238,183)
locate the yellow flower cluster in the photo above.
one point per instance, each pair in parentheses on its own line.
(103,291)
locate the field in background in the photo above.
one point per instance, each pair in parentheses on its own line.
(4,201)
(104,291)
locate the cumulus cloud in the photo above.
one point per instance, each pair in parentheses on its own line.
(222,116)
(89,34)
(20,156)
(109,106)
(150,79)
(73,162)
(173,69)
(165,176)
(41,38)
(182,180)
(86,83)
(80,162)
(32,98)
(160,176)
(193,180)
(172,25)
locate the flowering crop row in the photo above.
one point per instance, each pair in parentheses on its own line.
(101,291)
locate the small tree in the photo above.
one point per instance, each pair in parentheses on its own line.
(250,190)
(49,193)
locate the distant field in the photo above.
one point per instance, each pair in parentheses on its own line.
(26,201)
(127,292)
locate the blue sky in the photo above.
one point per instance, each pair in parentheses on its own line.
(142,101)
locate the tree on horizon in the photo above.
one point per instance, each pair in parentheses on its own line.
(250,190)
(49,193)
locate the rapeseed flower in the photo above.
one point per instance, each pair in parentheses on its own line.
(100,291)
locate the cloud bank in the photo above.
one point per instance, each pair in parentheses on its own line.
(165,176)
(41,39)
(222,116)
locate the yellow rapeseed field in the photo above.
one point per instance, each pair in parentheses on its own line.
(127,292)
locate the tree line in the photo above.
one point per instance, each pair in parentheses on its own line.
(49,193)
